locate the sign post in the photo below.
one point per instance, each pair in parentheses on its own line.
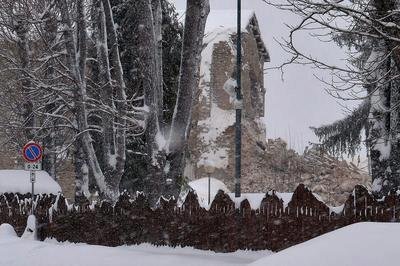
(32,153)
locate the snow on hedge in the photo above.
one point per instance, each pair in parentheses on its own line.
(18,181)
(200,186)
(366,244)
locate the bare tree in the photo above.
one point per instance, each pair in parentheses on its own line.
(29,28)
(370,29)
(165,166)
(54,57)
(112,103)
(195,21)
(75,93)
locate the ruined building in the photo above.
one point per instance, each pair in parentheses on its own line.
(212,132)
(265,165)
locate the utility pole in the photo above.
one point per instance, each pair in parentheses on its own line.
(238,104)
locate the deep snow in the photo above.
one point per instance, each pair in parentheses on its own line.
(20,252)
(362,244)
(366,244)
(19,181)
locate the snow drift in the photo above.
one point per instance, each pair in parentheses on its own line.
(20,252)
(366,244)
(18,181)
(7,232)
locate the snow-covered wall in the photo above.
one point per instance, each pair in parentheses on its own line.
(213,118)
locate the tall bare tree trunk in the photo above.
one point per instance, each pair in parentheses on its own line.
(49,141)
(76,66)
(157,24)
(117,142)
(21,28)
(81,172)
(148,35)
(106,93)
(195,21)
(114,103)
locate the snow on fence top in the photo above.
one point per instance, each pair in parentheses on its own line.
(200,187)
(18,181)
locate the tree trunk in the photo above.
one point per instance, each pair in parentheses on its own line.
(106,93)
(157,24)
(385,126)
(120,125)
(21,28)
(394,165)
(49,142)
(379,128)
(150,80)
(82,174)
(195,21)
(84,139)
(393,170)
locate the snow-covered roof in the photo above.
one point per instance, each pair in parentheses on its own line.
(18,181)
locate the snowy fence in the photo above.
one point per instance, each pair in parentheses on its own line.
(222,228)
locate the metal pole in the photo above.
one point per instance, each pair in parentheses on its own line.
(209,189)
(32,177)
(238,125)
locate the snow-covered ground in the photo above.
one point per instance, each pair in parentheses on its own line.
(20,252)
(362,244)
(19,181)
(366,244)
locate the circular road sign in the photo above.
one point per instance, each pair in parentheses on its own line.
(32,152)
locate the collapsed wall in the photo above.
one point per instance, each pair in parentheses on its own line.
(283,169)
(265,165)
(212,134)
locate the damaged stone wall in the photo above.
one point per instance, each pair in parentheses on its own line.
(283,169)
(264,164)
(212,134)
